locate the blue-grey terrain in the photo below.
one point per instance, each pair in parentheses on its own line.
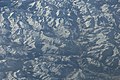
(59,39)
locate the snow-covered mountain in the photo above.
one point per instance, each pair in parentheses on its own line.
(59,39)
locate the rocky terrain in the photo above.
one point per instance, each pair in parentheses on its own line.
(59,39)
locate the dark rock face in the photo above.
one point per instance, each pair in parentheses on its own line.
(59,39)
